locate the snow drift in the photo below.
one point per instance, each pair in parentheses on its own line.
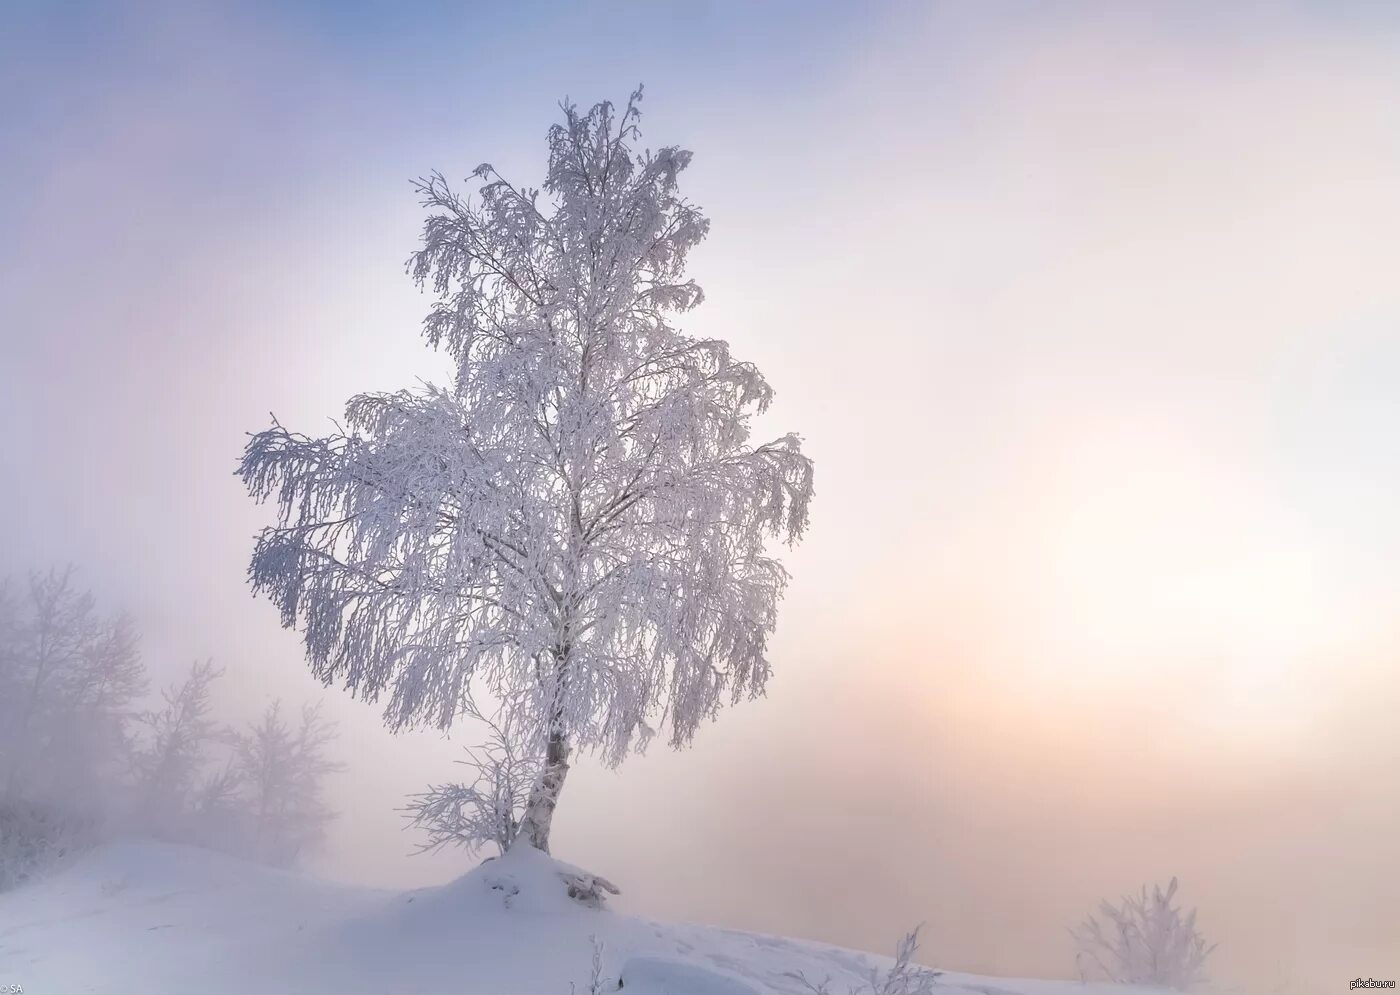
(162,919)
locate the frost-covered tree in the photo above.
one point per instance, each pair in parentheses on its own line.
(47,641)
(579,520)
(175,750)
(9,633)
(1144,940)
(68,677)
(91,725)
(109,674)
(282,769)
(218,813)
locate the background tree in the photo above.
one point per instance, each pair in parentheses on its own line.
(9,664)
(579,519)
(79,761)
(12,684)
(218,813)
(47,642)
(92,743)
(282,769)
(68,678)
(175,750)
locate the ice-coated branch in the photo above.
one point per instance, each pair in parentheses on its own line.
(489,809)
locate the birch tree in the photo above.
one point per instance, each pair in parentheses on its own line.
(579,520)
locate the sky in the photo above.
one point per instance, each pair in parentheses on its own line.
(1085,311)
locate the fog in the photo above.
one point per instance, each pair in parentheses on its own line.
(1086,313)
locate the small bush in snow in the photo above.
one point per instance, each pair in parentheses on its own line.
(1144,940)
(904,978)
(33,838)
(489,810)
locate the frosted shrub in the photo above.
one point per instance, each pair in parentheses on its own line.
(489,810)
(904,978)
(1144,940)
(33,838)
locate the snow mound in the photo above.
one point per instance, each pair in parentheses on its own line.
(671,977)
(524,882)
(157,919)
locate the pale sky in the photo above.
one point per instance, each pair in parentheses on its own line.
(1087,313)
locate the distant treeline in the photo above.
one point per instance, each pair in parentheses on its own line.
(88,753)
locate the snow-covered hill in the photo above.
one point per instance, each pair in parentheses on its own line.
(157,919)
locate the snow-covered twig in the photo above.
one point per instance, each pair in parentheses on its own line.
(903,978)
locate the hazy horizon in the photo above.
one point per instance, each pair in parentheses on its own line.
(1087,316)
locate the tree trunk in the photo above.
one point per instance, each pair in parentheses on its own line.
(539,811)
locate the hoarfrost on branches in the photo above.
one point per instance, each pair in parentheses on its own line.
(68,677)
(283,768)
(81,763)
(34,837)
(168,763)
(579,519)
(489,810)
(1144,940)
(904,977)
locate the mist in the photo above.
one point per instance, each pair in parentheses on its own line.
(1086,315)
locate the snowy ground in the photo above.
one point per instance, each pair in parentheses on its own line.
(158,919)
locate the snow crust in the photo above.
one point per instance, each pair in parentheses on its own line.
(162,919)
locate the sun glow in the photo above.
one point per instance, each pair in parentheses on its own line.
(1148,563)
